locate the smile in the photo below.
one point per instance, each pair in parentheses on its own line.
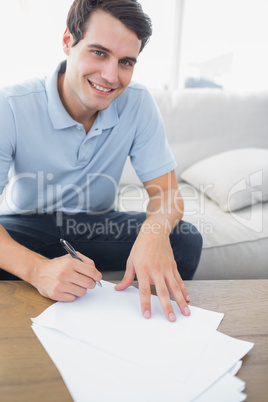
(100,88)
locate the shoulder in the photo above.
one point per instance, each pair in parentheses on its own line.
(136,96)
(135,86)
(138,90)
(23,89)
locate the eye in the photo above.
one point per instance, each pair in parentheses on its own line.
(126,63)
(98,52)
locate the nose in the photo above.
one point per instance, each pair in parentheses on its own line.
(110,71)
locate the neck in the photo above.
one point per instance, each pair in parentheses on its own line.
(87,119)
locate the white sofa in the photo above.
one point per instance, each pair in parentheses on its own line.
(220,142)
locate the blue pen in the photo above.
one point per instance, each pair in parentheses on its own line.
(73,253)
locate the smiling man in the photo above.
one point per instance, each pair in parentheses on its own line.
(64,141)
(99,68)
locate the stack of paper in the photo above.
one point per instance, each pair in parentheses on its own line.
(106,351)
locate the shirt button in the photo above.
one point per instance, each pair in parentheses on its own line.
(78,128)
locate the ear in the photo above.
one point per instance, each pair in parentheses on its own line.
(67,41)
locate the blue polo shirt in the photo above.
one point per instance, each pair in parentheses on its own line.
(52,164)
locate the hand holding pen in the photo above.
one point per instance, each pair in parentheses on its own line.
(73,253)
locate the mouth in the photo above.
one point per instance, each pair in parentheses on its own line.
(100,88)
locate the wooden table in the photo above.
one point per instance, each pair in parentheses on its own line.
(28,374)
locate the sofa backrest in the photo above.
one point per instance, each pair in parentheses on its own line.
(202,122)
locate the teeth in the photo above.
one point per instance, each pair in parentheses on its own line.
(100,88)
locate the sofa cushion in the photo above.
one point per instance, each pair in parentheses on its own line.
(235,244)
(234,179)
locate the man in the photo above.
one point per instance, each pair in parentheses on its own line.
(64,141)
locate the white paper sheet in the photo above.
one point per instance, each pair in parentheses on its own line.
(236,367)
(222,353)
(227,388)
(105,350)
(93,375)
(111,321)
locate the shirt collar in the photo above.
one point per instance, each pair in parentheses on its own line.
(60,117)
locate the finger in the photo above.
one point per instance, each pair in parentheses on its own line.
(76,290)
(64,297)
(86,259)
(145,297)
(83,281)
(164,298)
(86,267)
(176,291)
(77,272)
(66,292)
(128,277)
(181,284)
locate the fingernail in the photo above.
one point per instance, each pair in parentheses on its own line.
(187,311)
(172,317)
(147,314)
(187,298)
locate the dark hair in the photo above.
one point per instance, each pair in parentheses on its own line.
(129,12)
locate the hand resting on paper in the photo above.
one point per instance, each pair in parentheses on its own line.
(152,260)
(151,257)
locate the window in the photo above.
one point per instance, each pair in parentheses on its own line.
(225,43)
(219,43)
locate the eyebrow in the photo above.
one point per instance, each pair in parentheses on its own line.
(105,49)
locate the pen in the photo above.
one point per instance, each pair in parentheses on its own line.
(73,253)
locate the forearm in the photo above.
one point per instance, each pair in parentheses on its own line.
(164,211)
(16,258)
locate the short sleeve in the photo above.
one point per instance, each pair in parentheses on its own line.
(7,140)
(150,153)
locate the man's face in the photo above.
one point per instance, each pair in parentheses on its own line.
(100,66)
